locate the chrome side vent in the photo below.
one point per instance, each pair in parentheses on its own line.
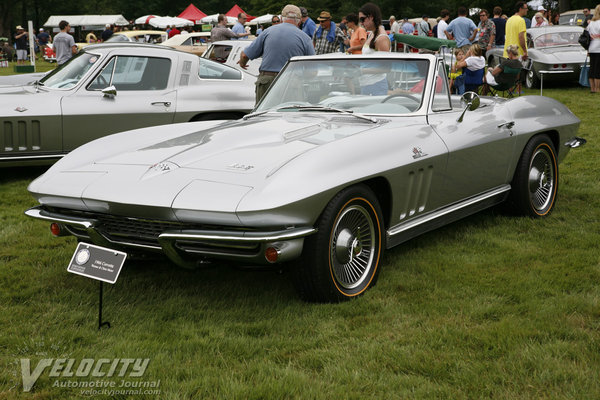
(417,192)
(21,136)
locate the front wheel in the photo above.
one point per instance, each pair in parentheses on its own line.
(535,182)
(342,259)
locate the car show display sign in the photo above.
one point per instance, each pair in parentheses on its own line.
(97,262)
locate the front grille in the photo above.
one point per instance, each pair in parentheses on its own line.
(131,230)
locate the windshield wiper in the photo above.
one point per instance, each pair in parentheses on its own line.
(329,109)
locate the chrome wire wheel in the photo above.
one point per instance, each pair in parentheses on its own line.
(541,179)
(352,246)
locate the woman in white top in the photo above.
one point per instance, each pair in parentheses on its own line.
(473,61)
(372,81)
(538,20)
(369,16)
(594,51)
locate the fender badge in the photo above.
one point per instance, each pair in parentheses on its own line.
(240,166)
(418,153)
(20,109)
(159,168)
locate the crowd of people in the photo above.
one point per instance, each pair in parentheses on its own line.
(360,33)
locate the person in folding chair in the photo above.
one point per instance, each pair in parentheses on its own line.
(505,76)
(473,66)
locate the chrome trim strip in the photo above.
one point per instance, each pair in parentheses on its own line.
(233,236)
(437,214)
(39,213)
(33,157)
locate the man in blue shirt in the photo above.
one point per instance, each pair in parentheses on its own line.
(308,26)
(462,29)
(238,28)
(407,27)
(276,45)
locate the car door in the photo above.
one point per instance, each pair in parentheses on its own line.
(145,96)
(480,146)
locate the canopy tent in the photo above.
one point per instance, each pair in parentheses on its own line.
(163,22)
(193,14)
(144,20)
(423,42)
(236,10)
(263,19)
(86,20)
(213,19)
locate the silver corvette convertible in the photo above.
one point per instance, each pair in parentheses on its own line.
(344,157)
(110,88)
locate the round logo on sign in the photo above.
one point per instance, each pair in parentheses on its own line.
(82,256)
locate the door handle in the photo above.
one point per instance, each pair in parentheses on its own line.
(163,103)
(508,125)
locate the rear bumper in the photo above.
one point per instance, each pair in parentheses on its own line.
(186,247)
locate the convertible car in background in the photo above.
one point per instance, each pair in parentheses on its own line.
(228,52)
(554,52)
(109,88)
(194,42)
(344,157)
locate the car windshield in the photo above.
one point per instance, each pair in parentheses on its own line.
(557,39)
(369,86)
(70,73)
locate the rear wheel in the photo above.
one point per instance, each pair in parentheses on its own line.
(531,79)
(535,183)
(342,259)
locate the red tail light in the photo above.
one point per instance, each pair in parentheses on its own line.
(55,229)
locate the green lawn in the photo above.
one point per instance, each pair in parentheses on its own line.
(490,307)
(40,66)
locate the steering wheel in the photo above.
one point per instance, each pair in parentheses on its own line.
(405,95)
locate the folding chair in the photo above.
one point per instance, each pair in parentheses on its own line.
(512,85)
(473,80)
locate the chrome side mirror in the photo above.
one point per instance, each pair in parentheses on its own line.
(109,92)
(471,101)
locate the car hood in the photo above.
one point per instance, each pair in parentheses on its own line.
(227,159)
(245,147)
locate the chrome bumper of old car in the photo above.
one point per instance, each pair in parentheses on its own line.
(181,244)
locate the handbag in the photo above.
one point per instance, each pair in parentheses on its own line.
(585,39)
(584,74)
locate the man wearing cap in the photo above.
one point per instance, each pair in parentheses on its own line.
(276,45)
(327,38)
(43,38)
(21,41)
(106,33)
(64,44)
(238,28)
(516,31)
(308,26)
(423,26)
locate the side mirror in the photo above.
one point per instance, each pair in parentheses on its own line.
(471,101)
(109,92)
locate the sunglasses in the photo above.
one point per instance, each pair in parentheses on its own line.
(275,21)
(362,19)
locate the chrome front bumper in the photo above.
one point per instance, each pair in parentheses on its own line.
(186,247)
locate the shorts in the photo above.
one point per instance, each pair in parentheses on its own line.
(21,54)
(594,66)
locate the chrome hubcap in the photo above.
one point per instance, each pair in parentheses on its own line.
(353,246)
(541,179)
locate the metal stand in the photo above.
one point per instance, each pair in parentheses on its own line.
(100,323)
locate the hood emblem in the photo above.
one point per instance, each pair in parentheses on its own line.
(243,167)
(160,168)
(20,109)
(418,153)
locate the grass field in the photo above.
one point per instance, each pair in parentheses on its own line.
(490,307)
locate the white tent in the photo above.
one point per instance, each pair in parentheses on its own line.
(263,19)
(163,22)
(144,20)
(212,19)
(86,20)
